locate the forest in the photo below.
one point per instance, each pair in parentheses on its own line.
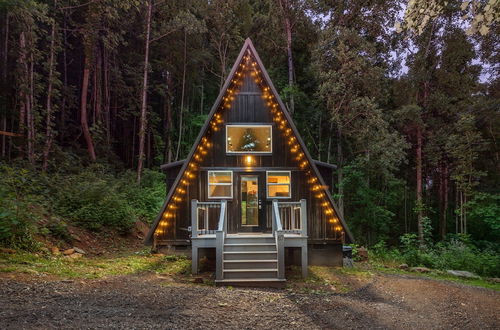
(96,94)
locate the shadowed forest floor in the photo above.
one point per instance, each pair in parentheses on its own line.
(156,292)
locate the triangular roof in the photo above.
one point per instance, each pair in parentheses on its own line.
(249,49)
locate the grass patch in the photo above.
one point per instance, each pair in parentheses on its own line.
(92,268)
(437,275)
(323,279)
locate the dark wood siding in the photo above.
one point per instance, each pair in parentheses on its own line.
(250,107)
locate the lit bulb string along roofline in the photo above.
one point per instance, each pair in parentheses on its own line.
(248,63)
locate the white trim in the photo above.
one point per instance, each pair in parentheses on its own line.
(289,184)
(219,184)
(250,152)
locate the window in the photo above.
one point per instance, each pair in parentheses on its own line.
(220,184)
(249,139)
(278,184)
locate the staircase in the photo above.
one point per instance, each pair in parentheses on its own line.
(250,260)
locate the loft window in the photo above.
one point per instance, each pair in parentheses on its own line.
(278,184)
(249,139)
(220,184)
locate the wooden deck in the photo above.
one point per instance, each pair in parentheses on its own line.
(246,258)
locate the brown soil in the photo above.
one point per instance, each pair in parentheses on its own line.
(151,301)
(104,242)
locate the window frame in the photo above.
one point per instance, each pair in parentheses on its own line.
(249,152)
(220,184)
(279,184)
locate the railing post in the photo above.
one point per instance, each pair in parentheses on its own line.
(219,241)
(273,215)
(280,245)
(219,247)
(194,218)
(224,202)
(303,217)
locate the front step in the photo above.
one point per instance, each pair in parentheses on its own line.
(242,264)
(251,273)
(257,282)
(250,260)
(247,239)
(250,255)
(250,247)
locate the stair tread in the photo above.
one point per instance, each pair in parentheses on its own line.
(249,244)
(251,260)
(248,252)
(272,279)
(250,270)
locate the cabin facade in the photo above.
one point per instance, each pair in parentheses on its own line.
(249,191)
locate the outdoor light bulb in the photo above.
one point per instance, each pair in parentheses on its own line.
(248,160)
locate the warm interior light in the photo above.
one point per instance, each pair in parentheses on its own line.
(248,160)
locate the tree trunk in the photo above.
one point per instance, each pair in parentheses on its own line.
(30,115)
(443,200)
(4,80)
(22,92)
(83,109)
(285,9)
(419,186)
(330,135)
(340,174)
(65,84)
(182,97)
(168,120)
(107,97)
(143,120)
(48,123)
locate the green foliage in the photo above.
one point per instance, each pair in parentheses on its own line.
(457,253)
(95,198)
(484,217)
(92,197)
(371,204)
(17,216)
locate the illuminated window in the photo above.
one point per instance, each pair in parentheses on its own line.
(278,184)
(249,139)
(220,184)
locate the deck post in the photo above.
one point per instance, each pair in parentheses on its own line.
(219,247)
(194,259)
(280,245)
(194,218)
(303,217)
(304,264)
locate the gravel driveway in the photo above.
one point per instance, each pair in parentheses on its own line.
(149,301)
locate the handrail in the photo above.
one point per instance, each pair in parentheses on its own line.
(279,237)
(276,217)
(222,216)
(219,241)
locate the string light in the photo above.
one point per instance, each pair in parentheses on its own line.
(248,65)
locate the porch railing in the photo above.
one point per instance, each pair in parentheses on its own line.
(287,218)
(205,217)
(293,216)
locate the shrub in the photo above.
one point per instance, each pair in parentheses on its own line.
(458,253)
(93,199)
(17,219)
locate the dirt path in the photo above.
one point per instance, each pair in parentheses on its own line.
(147,301)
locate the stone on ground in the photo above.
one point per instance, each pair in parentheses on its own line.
(462,273)
(420,269)
(78,250)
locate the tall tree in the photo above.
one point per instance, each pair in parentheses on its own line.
(144,91)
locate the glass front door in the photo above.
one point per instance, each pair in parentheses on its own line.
(249,201)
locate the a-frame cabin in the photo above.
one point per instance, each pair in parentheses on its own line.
(249,190)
